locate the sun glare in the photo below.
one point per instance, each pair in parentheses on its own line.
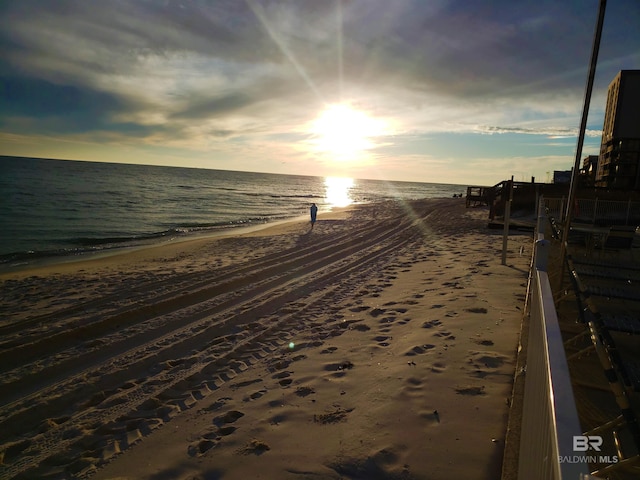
(344,131)
(338,190)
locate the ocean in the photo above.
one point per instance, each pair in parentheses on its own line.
(60,208)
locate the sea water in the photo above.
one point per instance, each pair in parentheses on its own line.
(57,207)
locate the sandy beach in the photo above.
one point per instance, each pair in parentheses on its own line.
(381,344)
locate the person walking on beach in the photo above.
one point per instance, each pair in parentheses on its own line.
(314,212)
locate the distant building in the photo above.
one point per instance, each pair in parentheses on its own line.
(619,161)
(589,170)
(562,176)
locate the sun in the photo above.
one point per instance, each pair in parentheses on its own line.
(344,131)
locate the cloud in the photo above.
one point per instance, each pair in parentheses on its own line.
(550,132)
(199,74)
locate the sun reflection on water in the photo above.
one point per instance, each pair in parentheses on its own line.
(338,191)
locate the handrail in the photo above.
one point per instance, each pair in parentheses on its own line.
(549,418)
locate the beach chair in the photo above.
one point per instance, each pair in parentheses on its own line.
(606,279)
(626,323)
(620,238)
(608,271)
(622,377)
(619,242)
(625,317)
(609,263)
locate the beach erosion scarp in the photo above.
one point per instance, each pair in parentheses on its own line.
(379,344)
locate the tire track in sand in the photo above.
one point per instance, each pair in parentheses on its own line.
(141,403)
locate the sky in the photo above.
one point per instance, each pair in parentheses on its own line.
(446,91)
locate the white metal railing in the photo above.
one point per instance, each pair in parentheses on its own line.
(549,417)
(595,211)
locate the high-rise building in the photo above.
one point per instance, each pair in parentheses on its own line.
(589,170)
(619,162)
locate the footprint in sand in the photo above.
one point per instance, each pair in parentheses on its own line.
(431,324)
(227,430)
(376,312)
(476,310)
(283,378)
(485,342)
(347,324)
(488,359)
(470,390)
(255,395)
(210,439)
(203,446)
(445,335)
(235,386)
(332,320)
(217,405)
(362,328)
(413,388)
(338,369)
(386,323)
(486,363)
(359,309)
(385,463)
(419,350)
(438,367)
(431,415)
(279,364)
(329,350)
(255,447)
(230,417)
(304,391)
(337,415)
(382,340)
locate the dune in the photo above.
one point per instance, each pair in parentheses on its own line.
(381,344)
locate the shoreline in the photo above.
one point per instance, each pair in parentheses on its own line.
(131,205)
(71,262)
(380,343)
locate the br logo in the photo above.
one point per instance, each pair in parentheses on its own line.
(582,443)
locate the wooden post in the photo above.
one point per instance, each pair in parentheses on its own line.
(507,217)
